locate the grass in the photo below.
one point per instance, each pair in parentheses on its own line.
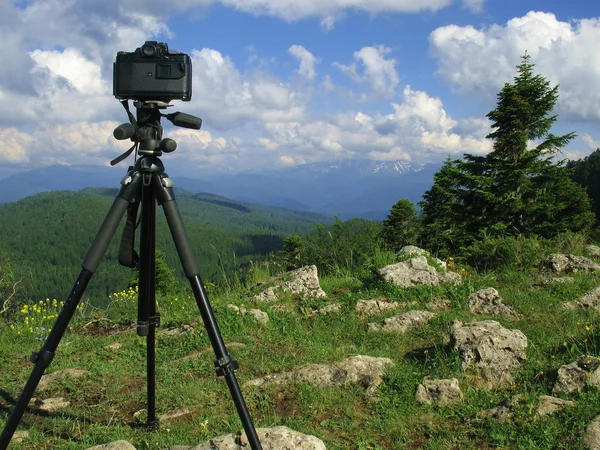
(105,405)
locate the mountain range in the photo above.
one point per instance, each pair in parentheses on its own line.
(346,188)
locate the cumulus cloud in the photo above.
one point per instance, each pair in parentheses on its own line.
(307,61)
(379,72)
(479,61)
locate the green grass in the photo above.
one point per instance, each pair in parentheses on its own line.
(103,404)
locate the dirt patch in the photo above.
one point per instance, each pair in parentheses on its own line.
(286,404)
(103,327)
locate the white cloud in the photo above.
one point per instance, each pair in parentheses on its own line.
(379,72)
(474,5)
(330,10)
(479,61)
(307,61)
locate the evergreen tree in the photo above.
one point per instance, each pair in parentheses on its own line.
(513,190)
(401,226)
(587,174)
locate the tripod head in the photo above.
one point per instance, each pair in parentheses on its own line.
(146,131)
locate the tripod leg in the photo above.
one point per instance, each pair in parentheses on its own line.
(225,365)
(43,358)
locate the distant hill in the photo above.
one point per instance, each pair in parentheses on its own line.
(346,188)
(47,236)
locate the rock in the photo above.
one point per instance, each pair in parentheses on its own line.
(488,302)
(49,405)
(590,299)
(258,315)
(575,376)
(365,371)
(114,346)
(439,392)
(549,405)
(569,263)
(20,436)
(555,280)
(440,304)
(175,331)
(592,250)
(591,438)
(412,250)
(331,308)
(177,414)
(117,445)
(303,282)
(489,352)
(404,322)
(503,412)
(50,378)
(366,308)
(276,438)
(416,272)
(269,295)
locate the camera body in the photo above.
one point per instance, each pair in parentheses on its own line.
(153,73)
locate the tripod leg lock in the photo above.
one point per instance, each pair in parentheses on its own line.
(225,366)
(43,358)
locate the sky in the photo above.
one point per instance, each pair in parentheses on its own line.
(280,83)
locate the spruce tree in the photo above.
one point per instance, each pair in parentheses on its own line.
(401,226)
(515,189)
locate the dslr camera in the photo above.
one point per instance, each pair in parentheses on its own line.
(153,73)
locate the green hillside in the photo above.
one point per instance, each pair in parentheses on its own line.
(48,235)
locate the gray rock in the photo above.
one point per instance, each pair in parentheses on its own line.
(416,272)
(303,282)
(440,304)
(259,316)
(366,308)
(592,250)
(49,405)
(488,302)
(404,322)
(412,250)
(365,371)
(549,405)
(575,376)
(117,445)
(276,438)
(591,438)
(20,436)
(439,392)
(331,308)
(503,412)
(568,263)
(489,352)
(50,378)
(590,299)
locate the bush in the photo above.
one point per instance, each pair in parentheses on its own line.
(493,253)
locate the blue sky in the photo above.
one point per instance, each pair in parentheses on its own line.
(282,82)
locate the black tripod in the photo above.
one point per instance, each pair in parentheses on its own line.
(145,183)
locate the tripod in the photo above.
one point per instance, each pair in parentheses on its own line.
(146,183)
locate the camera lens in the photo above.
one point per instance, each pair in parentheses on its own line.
(149,50)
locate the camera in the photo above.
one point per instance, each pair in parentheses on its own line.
(153,73)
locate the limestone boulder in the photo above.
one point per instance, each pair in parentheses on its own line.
(592,250)
(416,271)
(404,322)
(116,445)
(303,282)
(372,307)
(365,371)
(276,438)
(576,376)
(560,263)
(591,438)
(489,352)
(489,302)
(439,392)
(259,316)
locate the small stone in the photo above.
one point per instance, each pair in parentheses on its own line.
(366,308)
(404,322)
(549,405)
(439,392)
(116,445)
(49,405)
(50,378)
